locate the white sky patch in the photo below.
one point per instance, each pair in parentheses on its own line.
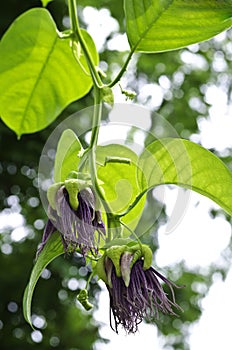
(100,24)
(118,42)
(19,234)
(109,134)
(196,61)
(132,115)
(151,95)
(215,131)
(9,220)
(198,239)
(213,331)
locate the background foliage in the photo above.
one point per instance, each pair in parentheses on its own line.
(56,315)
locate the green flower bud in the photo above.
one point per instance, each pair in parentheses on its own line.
(82,297)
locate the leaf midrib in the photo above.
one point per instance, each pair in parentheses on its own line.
(149,26)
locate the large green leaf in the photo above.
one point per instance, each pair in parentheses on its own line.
(119,181)
(51,250)
(67,159)
(161,25)
(186,164)
(39,75)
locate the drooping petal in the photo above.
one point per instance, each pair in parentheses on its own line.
(77,227)
(144,297)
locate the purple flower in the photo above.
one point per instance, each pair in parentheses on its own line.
(77,227)
(144,296)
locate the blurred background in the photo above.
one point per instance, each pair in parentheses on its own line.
(191,89)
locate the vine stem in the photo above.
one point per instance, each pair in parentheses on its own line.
(77,36)
(122,70)
(133,204)
(97,114)
(132,232)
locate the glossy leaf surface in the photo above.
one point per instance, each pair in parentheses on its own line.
(120,182)
(162,25)
(186,164)
(39,76)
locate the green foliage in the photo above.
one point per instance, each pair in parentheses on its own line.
(186,164)
(162,25)
(119,182)
(35,90)
(35,86)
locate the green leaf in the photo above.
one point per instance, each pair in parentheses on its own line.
(51,250)
(39,75)
(67,159)
(119,182)
(161,25)
(186,164)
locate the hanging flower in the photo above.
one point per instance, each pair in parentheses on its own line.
(134,288)
(75,218)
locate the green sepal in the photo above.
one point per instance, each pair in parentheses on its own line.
(142,251)
(51,194)
(114,253)
(72,187)
(100,269)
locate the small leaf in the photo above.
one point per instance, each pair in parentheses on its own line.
(51,250)
(67,159)
(188,165)
(119,181)
(161,25)
(39,75)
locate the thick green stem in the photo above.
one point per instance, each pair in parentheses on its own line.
(92,151)
(97,115)
(77,36)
